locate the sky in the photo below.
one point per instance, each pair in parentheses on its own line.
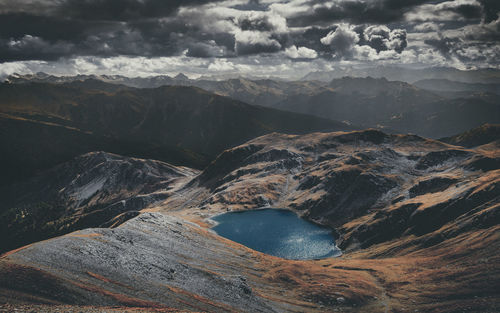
(248,37)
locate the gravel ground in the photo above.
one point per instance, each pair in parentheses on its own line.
(40,308)
(156,258)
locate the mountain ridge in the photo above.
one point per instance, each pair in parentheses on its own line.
(183,125)
(367,101)
(485,134)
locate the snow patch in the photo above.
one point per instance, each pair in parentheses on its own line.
(86,191)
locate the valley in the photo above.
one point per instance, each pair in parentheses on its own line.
(428,215)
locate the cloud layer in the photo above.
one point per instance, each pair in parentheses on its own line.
(227,33)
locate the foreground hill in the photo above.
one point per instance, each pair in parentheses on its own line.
(91,190)
(417,219)
(182,125)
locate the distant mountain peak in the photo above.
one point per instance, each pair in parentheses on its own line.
(41,75)
(181,76)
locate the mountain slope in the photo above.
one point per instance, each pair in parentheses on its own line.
(417,219)
(88,191)
(323,175)
(485,134)
(397,105)
(450,85)
(365,101)
(183,125)
(30,144)
(263,92)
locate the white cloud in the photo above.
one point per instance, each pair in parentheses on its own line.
(443,11)
(382,38)
(221,65)
(342,40)
(10,68)
(300,53)
(427,27)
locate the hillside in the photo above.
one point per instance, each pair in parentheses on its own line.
(30,145)
(450,85)
(482,135)
(397,105)
(181,125)
(411,215)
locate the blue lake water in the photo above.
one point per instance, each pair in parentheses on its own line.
(277,232)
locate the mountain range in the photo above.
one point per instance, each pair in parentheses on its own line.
(410,75)
(45,124)
(430,108)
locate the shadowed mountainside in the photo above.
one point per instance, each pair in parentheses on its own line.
(450,85)
(31,145)
(486,134)
(182,125)
(397,105)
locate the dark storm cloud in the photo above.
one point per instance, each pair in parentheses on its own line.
(25,36)
(119,10)
(381,38)
(386,11)
(343,29)
(311,38)
(444,45)
(491,8)
(29,47)
(358,11)
(48,38)
(260,23)
(204,49)
(247,48)
(16,25)
(95,27)
(469,11)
